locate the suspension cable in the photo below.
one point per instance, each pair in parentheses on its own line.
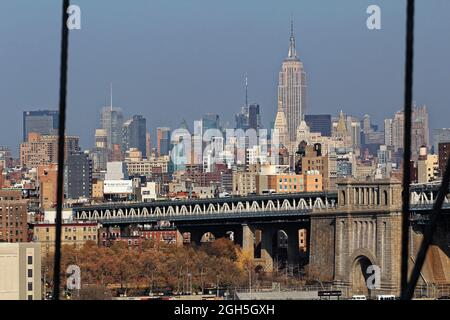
(428,235)
(61,148)
(409,66)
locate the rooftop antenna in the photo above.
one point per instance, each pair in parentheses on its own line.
(292,49)
(246,90)
(111,91)
(292,24)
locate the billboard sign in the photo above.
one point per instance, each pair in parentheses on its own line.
(118,187)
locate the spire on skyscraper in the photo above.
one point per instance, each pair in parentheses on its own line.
(111,92)
(341,127)
(292,49)
(246,91)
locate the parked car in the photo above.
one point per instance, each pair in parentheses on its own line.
(386,297)
(359,297)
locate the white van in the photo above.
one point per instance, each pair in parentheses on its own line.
(359,297)
(385,297)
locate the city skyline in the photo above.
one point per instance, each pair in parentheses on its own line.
(328,45)
(246,146)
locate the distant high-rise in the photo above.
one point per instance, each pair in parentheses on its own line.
(99,158)
(393,131)
(292,88)
(249,118)
(134,134)
(440,136)
(366,124)
(163,141)
(280,126)
(44,122)
(420,135)
(148,145)
(398,129)
(99,155)
(43,149)
(78,176)
(101,138)
(443,155)
(319,123)
(210,121)
(111,120)
(388,134)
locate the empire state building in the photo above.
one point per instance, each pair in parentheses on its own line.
(292,88)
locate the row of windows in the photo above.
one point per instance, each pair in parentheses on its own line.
(11,208)
(286,180)
(74,238)
(11,224)
(15,240)
(285,187)
(12,232)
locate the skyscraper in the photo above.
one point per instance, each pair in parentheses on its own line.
(398,129)
(44,122)
(292,88)
(280,126)
(78,177)
(210,121)
(420,135)
(439,136)
(388,134)
(163,141)
(249,118)
(319,123)
(101,138)
(111,120)
(134,134)
(148,145)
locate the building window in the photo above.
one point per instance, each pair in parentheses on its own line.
(30,297)
(30,259)
(30,286)
(30,273)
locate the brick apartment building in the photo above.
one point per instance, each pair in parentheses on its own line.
(13,216)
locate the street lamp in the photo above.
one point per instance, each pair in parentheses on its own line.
(217,284)
(190,282)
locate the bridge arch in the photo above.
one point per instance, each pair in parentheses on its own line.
(360,276)
(361,260)
(280,240)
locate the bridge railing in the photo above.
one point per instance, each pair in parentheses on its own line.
(202,209)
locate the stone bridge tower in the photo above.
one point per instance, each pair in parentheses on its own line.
(364,230)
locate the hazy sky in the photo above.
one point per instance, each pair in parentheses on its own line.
(170,60)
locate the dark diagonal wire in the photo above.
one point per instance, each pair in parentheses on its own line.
(409,65)
(428,235)
(61,147)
